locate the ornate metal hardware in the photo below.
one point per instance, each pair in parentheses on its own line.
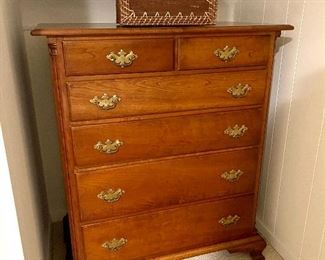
(111,195)
(115,244)
(232,175)
(109,146)
(105,102)
(122,59)
(226,54)
(239,90)
(236,131)
(230,220)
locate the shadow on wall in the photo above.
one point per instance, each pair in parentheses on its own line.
(228,10)
(281,42)
(33,13)
(20,135)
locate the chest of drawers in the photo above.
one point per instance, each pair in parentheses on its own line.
(162,133)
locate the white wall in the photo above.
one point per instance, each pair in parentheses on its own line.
(17,123)
(11,246)
(291,212)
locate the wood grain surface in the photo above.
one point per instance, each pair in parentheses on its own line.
(150,95)
(178,181)
(89,57)
(168,231)
(253,50)
(161,137)
(112,29)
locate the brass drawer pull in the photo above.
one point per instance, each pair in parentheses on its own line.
(239,90)
(109,146)
(111,195)
(232,175)
(115,244)
(122,59)
(230,220)
(105,102)
(226,54)
(236,131)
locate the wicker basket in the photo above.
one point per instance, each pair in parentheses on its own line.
(166,12)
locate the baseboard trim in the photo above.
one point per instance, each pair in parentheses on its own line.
(273,241)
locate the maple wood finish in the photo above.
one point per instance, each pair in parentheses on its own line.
(90,57)
(162,149)
(203,173)
(168,136)
(179,229)
(165,94)
(253,50)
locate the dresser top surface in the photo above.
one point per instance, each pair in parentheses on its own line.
(111,29)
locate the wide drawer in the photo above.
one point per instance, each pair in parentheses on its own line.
(216,52)
(152,138)
(124,190)
(118,56)
(127,97)
(168,231)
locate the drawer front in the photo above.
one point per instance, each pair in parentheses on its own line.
(144,139)
(130,189)
(167,231)
(129,97)
(118,56)
(212,52)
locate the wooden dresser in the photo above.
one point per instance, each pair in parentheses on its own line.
(161,133)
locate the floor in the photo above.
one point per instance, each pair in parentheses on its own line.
(58,250)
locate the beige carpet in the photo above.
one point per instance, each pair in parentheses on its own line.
(58,249)
(269,253)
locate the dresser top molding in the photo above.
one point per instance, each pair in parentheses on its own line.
(111,29)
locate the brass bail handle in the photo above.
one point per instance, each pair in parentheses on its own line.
(232,175)
(122,58)
(115,244)
(227,53)
(240,90)
(110,195)
(229,220)
(109,147)
(236,131)
(105,102)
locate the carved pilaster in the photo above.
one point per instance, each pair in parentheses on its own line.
(53,48)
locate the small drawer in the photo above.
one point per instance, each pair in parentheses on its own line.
(104,144)
(125,190)
(164,232)
(218,52)
(91,100)
(118,56)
